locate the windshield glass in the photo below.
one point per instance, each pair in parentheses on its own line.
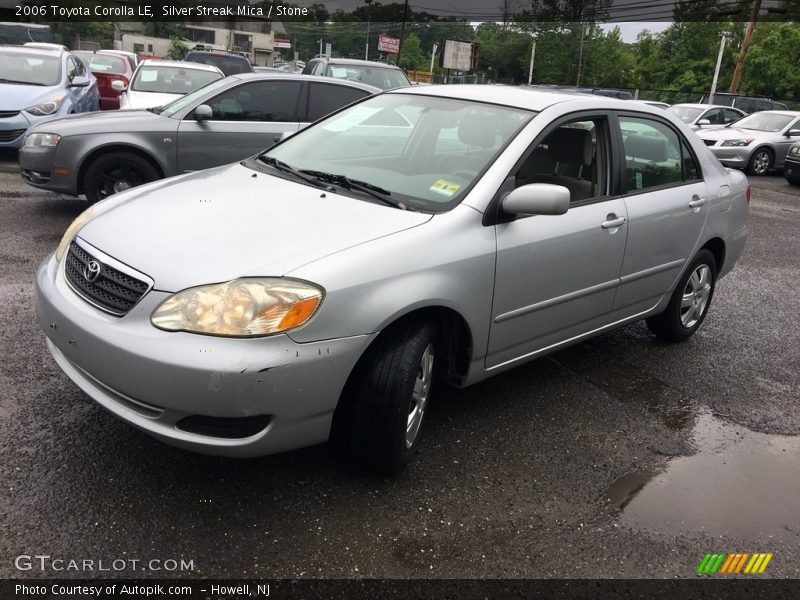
(379,77)
(171,80)
(687,114)
(764,121)
(102,63)
(230,65)
(425,151)
(184,101)
(35,69)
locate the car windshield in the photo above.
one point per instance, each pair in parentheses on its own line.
(179,103)
(379,77)
(103,63)
(422,151)
(171,80)
(33,69)
(764,121)
(687,114)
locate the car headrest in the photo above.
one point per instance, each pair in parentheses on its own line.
(476,132)
(570,145)
(646,147)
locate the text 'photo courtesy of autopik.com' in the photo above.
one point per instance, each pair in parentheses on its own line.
(399,299)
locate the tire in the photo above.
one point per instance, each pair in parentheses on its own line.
(793,180)
(761,162)
(391,396)
(679,321)
(116,172)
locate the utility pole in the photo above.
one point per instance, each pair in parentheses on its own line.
(402,32)
(580,58)
(748,34)
(716,70)
(369,13)
(533,54)
(320,47)
(433,56)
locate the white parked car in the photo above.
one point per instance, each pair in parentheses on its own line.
(158,82)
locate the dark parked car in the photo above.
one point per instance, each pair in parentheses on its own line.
(223,122)
(107,68)
(230,63)
(748,104)
(791,168)
(380,75)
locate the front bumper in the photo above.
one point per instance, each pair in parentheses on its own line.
(791,168)
(155,379)
(13,129)
(50,168)
(736,157)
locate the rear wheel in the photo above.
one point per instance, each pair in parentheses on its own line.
(391,397)
(793,180)
(116,172)
(761,162)
(690,301)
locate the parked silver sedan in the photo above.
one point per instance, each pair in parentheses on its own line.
(757,143)
(319,289)
(700,116)
(225,121)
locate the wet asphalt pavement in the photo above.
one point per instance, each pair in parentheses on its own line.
(621,457)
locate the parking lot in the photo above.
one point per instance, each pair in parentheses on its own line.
(620,457)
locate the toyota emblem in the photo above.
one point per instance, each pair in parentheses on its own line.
(92,271)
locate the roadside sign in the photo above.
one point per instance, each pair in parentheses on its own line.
(328,49)
(388,44)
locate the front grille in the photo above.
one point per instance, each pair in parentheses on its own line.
(231,428)
(6,114)
(113,291)
(11,135)
(710,142)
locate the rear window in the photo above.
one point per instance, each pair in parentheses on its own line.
(103,63)
(171,80)
(228,64)
(379,77)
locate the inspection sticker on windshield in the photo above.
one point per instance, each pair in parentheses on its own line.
(444,187)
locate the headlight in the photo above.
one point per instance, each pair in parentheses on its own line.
(245,307)
(46,108)
(741,142)
(42,139)
(71,231)
(794,150)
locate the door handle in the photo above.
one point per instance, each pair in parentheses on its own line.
(697,202)
(613,222)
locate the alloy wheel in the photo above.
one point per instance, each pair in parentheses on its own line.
(420,395)
(695,296)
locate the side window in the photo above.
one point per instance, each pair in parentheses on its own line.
(731,115)
(690,169)
(325,98)
(653,154)
(574,155)
(274,101)
(72,68)
(715,116)
(318,68)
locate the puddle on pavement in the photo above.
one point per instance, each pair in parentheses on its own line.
(740,483)
(627,383)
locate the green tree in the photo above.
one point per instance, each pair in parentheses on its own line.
(177,49)
(773,61)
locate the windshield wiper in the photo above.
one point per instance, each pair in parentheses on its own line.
(361,186)
(286,168)
(157,110)
(20,82)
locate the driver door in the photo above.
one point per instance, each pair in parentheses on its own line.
(246,120)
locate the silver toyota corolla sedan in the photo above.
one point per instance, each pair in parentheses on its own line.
(449,232)
(758,142)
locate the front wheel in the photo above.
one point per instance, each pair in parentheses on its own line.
(760,163)
(116,172)
(391,398)
(689,303)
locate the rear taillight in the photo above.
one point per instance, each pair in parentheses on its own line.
(747,194)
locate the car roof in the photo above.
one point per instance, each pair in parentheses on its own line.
(327,80)
(180,64)
(701,105)
(518,97)
(363,63)
(33,50)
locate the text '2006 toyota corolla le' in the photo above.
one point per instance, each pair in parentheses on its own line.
(319,288)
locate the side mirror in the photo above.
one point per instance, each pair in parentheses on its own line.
(79,81)
(203,113)
(285,135)
(793,133)
(703,122)
(537,199)
(118,86)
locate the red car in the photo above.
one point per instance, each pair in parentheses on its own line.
(107,68)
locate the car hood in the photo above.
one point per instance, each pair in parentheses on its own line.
(104,121)
(14,96)
(148,99)
(227,222)
(731,133)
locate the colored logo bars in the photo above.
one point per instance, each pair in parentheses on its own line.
(738,562)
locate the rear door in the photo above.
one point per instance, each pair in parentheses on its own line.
(667,203)
(247,119)
(325,98)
